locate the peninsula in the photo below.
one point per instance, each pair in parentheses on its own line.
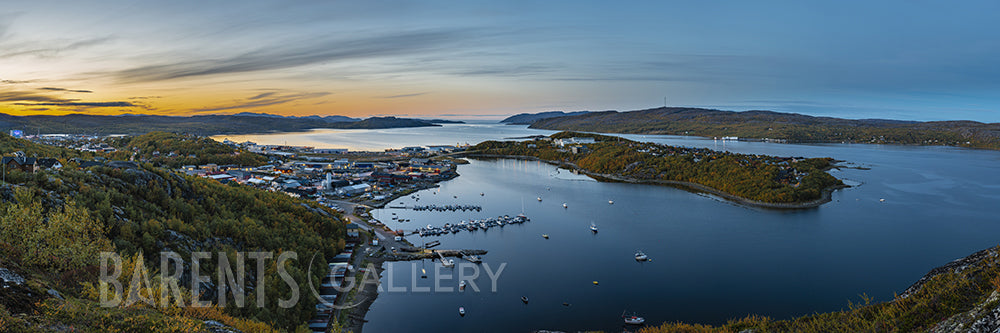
(774,127)
(754,180)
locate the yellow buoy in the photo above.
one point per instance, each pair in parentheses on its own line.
(595,283)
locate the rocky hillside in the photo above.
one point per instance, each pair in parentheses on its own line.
(961,296)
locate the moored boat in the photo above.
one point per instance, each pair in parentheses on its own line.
(640,256)
(633,319)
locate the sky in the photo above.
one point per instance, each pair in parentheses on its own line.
(913,60)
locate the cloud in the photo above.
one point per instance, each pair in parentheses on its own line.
(20,96)
(50,48)
(403,95)
(84,104)
(299,54)
(65,90)
(14,81)
(268,100)
(262,95)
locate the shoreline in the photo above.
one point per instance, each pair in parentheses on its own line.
(825,195)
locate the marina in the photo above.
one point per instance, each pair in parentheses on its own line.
(473,225)
(443,208)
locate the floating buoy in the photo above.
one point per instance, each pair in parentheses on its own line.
(595,283)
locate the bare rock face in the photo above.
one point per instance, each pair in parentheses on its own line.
(956,266)
(985,318)
(217,327)
(8,278)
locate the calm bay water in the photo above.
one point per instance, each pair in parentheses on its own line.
(712,260)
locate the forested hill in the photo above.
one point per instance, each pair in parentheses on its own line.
(54,222)
(795,128)
(199,125)
(528,118)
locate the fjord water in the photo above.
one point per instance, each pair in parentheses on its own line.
(711,260)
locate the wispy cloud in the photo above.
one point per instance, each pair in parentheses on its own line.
(261,101)
(84,104)
(49,48)
(299,54)
(22,96)
(262,95)
(403,95)
(65,90)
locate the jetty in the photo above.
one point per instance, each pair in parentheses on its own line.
(471,225)
(451,208)
(432,254)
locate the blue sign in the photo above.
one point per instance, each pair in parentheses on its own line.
(16,133)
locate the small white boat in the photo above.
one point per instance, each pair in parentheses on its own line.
(461,285)
(448,263)
(611,202)
(633,319)
(461,311)
(539,198)
(482,194)
(881,200)
(639,256)
(524,299)
(593,227)
(546,236)
(564,205)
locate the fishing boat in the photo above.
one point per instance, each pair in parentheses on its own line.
(524,299)
(639,256)
(593,227)
(461,311)
(633,319)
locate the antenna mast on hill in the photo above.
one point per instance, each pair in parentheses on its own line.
(664,102)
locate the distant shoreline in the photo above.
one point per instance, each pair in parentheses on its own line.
(825,195)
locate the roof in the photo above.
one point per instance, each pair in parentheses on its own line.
(48,162)
(20,160)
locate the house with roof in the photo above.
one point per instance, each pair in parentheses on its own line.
(352,230)
(49,163)
(26,164)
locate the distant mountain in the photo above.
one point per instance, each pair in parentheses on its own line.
(329,119)
(384,122)
(201,125)
(443,121)
(790,127)
(528,118)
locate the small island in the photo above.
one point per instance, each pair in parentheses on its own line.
(754,180)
